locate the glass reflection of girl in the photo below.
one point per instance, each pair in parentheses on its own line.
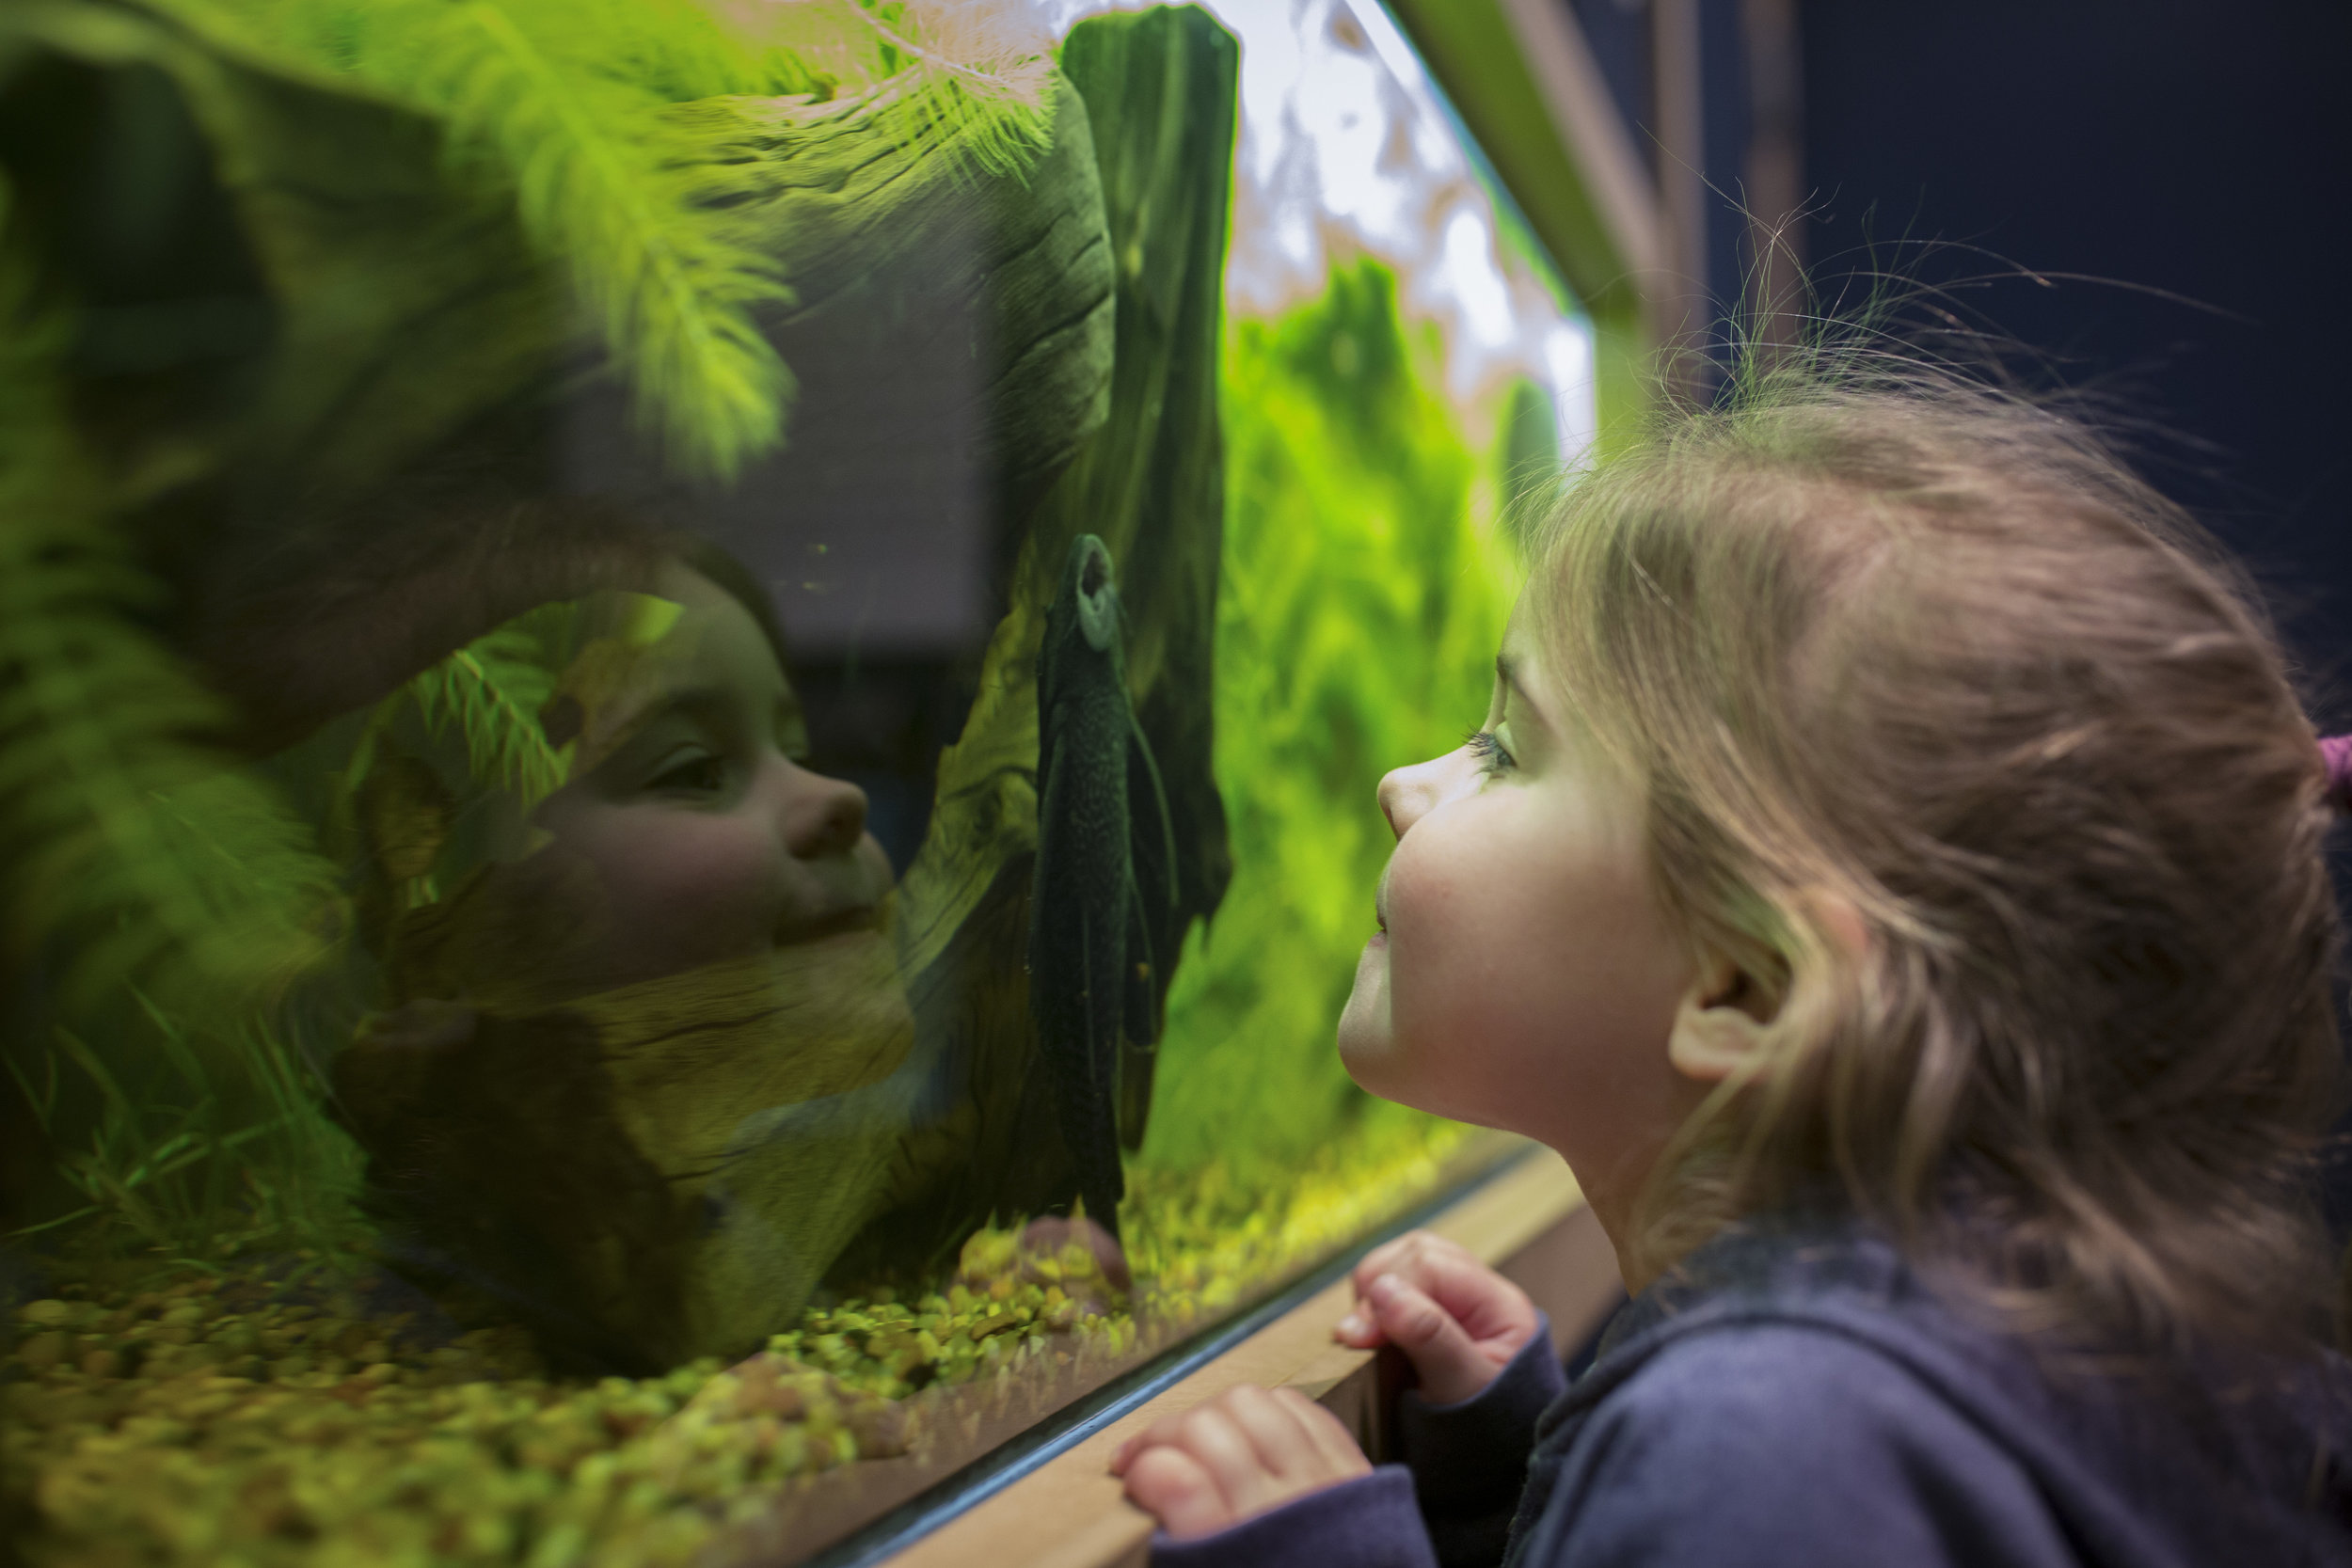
(638,1073)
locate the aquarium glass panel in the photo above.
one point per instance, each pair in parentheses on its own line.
(689,698)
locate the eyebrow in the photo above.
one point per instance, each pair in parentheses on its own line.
(700,703)
(692,701)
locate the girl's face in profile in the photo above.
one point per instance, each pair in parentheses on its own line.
(1525,975)
(702,835)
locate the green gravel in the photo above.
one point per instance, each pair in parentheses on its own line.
(191,1422)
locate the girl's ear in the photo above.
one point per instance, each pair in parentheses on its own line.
(1721,1023)
(1727,1019)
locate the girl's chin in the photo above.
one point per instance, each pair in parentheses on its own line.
(1364,1021)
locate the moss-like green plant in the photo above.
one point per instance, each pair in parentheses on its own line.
(1361,599)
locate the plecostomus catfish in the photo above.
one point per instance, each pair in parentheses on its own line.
(1105,880)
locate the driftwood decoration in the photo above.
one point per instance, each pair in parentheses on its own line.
(1160,91)
(950,328)
(648,1175)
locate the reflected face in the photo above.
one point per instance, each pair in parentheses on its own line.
(703,836)
(1525,976)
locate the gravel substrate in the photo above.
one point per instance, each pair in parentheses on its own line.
(204,1418)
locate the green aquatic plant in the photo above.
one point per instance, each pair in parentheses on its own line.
(138,865)
(575,106)
(492,692)
(130,847)
(189,1161)
(1361,597)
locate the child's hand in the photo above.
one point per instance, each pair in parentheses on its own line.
(1240,1454)
(1456,1320)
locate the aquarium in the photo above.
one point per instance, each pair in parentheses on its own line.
(689,693)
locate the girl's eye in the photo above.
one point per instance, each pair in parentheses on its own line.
(699,774)
(1488,748)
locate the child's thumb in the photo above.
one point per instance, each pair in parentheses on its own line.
(1452,1367)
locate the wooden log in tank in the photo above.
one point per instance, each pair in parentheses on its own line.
(1161,97)
(941,311)
(647,1175)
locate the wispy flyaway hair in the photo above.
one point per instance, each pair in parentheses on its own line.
(1876,636)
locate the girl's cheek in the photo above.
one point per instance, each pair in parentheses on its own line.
(693,887)
(708,868)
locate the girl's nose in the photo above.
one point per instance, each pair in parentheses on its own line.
(823,816)
(1405,793)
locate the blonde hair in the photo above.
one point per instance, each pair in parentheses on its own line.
(1880,636)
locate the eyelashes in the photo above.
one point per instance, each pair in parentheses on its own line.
(693,773)
(1488,749)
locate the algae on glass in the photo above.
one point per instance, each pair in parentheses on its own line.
(406,406)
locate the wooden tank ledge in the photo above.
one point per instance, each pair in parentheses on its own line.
(1529,1223)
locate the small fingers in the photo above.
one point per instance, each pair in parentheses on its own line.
(1167,1431)
(1241,1453)
(1450,1363)
(1338,1456)
(1177,1490)
(1481,1301)
(1301,1445)
(1421,1257)
(1215,1444)
(1250,1456)
(1495,1313)
(1413,1253)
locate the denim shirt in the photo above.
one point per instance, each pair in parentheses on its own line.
(1797,1394)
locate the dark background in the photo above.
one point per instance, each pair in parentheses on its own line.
(2198,148)
(2174,173)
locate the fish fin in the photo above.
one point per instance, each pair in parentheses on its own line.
(1151,831)
(1053,786)
(1139,1040)
(1152,854)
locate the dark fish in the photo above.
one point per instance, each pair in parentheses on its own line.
(1104,896)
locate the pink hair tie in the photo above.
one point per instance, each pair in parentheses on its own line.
(2336,751)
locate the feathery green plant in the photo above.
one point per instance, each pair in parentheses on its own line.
(604,182)
(972,75)
(573,103)
(492,692)
(120,835)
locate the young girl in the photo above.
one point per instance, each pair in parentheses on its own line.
(1890,875)
(638,1059)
